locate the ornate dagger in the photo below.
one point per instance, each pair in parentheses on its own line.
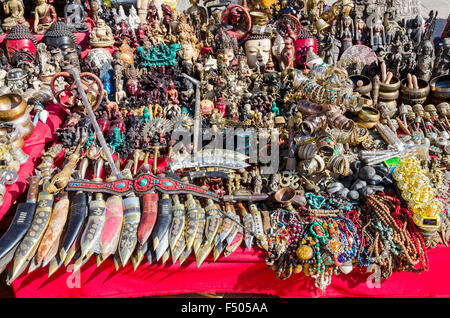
(109,239)
(149,211)
(213,222)
(138,254)
(128,239)
(259,231)
(235,227)
(143,183)
(237,241)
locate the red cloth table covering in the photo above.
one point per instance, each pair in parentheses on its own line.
(242,272)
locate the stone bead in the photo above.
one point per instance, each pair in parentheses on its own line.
(367,173)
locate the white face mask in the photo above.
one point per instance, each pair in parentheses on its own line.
(257,51)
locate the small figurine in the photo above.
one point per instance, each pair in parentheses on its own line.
(44,16)
(333,48)
(287,58)
(257,182)
(46,68)
(361,32)
(101,35)
(74,16)
(15,10)
(442,62)
(425,62)
(197,16)
(415,30)
(152,14)
(347,33)
(133,18)
(172,94)
(377,34)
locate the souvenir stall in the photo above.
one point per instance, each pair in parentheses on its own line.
(292,148)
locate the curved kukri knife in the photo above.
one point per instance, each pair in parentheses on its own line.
(20,224)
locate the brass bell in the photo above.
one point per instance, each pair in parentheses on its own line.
(321,25)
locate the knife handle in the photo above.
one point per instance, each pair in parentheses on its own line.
(242,209)
(33,189)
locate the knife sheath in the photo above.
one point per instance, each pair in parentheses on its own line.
(28,246)
(149,216)
(112,227)
(213,221)
(178,223)
(128,239)
(192,221)
(201,228)
(93,229)
(21,222)
(163,220)
(55,227)
(77,215)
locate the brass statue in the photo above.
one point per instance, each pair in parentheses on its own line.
(15,10)
(44,16)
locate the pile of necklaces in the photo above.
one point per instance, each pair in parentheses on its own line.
(317,133)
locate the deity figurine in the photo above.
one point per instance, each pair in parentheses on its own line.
(347,33)
(167,17)
(332,49)
(377,35)
(415,30)
(74,16)
(133,18)
(287,58)
(44,16)
(197,15)
(442,62)
(59,36)
(152,14)
(15,10)
(46,67)
(425,62)
(101,35)
(360,32)
(172,94)
(20,44)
